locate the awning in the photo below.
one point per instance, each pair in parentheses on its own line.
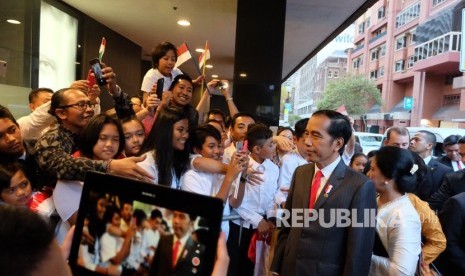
(449,113)
(399,107)
(376,108)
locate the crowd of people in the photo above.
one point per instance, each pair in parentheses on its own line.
(262,177)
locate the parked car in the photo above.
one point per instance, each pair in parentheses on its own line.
(368,141)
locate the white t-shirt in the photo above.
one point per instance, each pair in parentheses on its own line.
(152,76)
(150,166)
(290,162)
(110,246)
(206,184)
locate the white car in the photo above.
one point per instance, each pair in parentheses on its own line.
(368,141)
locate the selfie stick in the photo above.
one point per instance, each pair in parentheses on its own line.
(198,70)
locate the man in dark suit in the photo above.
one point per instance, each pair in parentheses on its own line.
(454,183)
(452,157)
(324,186)
(452,217)
(179,254)
(423,143)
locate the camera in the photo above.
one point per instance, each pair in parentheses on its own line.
(222,85)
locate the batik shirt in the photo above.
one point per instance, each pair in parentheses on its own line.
(54,156)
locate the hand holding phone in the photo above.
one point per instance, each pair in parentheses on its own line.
(96,67)
(160,84)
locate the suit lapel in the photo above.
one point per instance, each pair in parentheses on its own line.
(334,180)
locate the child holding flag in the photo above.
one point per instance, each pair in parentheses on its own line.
(164,65)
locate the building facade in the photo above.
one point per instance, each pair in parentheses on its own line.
(411,48)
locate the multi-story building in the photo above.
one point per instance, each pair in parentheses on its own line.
(411,48)
(313,80)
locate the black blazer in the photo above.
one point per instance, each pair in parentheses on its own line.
(452,216)
(189,262)
(454,184)
(319,250)
(433,179)
(445,161)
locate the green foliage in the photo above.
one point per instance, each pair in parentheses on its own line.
(355,92)
(293,119)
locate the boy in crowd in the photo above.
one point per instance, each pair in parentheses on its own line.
(206,142)
(257,208)
(291,161)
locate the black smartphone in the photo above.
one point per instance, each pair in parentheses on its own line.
(97,69)
(160,84)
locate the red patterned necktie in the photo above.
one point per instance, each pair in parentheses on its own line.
(175,252)
(315,185)
(459,165)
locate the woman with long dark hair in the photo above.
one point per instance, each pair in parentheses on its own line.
(167,148)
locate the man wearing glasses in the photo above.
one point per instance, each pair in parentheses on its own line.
(73,111)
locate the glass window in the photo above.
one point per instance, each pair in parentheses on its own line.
(381,71)
(330,74)
(381,12)
(410,61)
(400,42)
(373,74)
(374,54)
(399,66)
(408,14)
(437,2)
(361,28)
(382,50)
(336,74)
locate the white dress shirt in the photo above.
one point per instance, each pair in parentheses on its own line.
(290,162)
(152,76)
(259,199)
(205,184)
(326,171)
(399,229)
(150,166)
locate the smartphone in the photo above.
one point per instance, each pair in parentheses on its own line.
(160,84)
(91,79)
(242,146)
(97,69)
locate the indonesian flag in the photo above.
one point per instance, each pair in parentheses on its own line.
(183,55)
(342,109)
(101,51)
(204,56)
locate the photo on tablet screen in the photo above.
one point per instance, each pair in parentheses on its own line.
(128,227)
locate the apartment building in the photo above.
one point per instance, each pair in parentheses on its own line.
(411,49)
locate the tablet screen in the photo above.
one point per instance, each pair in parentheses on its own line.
(135,228)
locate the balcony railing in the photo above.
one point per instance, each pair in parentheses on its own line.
(449,42)
(377,37)
(358,48)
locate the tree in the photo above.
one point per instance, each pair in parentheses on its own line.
(355,92)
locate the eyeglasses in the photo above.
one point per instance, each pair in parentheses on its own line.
(79,105)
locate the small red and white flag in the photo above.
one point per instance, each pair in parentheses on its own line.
(342,109)
(101,50)
(183,55)
(204,56)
